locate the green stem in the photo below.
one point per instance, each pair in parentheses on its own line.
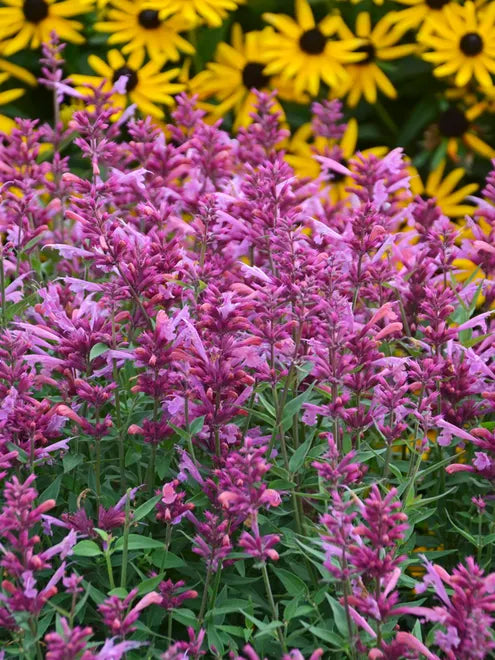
(109,570)
(168,538)
(151,471)
(98,467)
(201,615)
(125,547)
(273,607)
(118,416)
(169,627)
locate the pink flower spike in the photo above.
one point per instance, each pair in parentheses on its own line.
(334,165)
(413,643)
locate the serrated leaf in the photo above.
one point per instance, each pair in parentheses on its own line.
(86,548)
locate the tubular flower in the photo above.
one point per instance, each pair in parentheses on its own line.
(307,52)
(456,126)
(211,12)
(144,85)
(380,43)
(443,190)
(462,43)
(29,23)
(237,69)
(138,27)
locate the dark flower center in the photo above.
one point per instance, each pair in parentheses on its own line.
(338,176)
(35,10)
(369,51)
(132,79)
(436,4)
(453,123)
(312,42)
(471,44)
(148,18)
(253,76)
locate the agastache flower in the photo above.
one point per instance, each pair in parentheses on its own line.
(118,615)
(465,616)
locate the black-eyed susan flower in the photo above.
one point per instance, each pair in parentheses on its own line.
(444,190)
(137,26)
(8,70)
(380,43)
(417,12)
(145,84)
(461,42)
(236,69)
(304,148)
(6,97)
(457,127)
(28,23)
(307,52)
(195,12)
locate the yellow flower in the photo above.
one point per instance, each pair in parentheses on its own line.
(417,12)
(462,42)
(456,126)
(6,97)
(236,70)
(145,86)
(134,24)
(306,52)
(211,12)
(8,69)
(30,22)
(443,190)
(304,147)
(380,43)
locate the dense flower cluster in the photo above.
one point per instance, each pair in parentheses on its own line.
(224,50)
(256,406)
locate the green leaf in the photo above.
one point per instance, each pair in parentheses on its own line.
(138,542)
(145,508)
(293,584)
(197,425)
(185,616)
(87,549)
(97,350)
(423,113)
(461,531)
(170,561)
(327,636)
(293,407)
(338,615)
(22,456)
(51,493)
(297,459)
(148,585)
(70,461)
